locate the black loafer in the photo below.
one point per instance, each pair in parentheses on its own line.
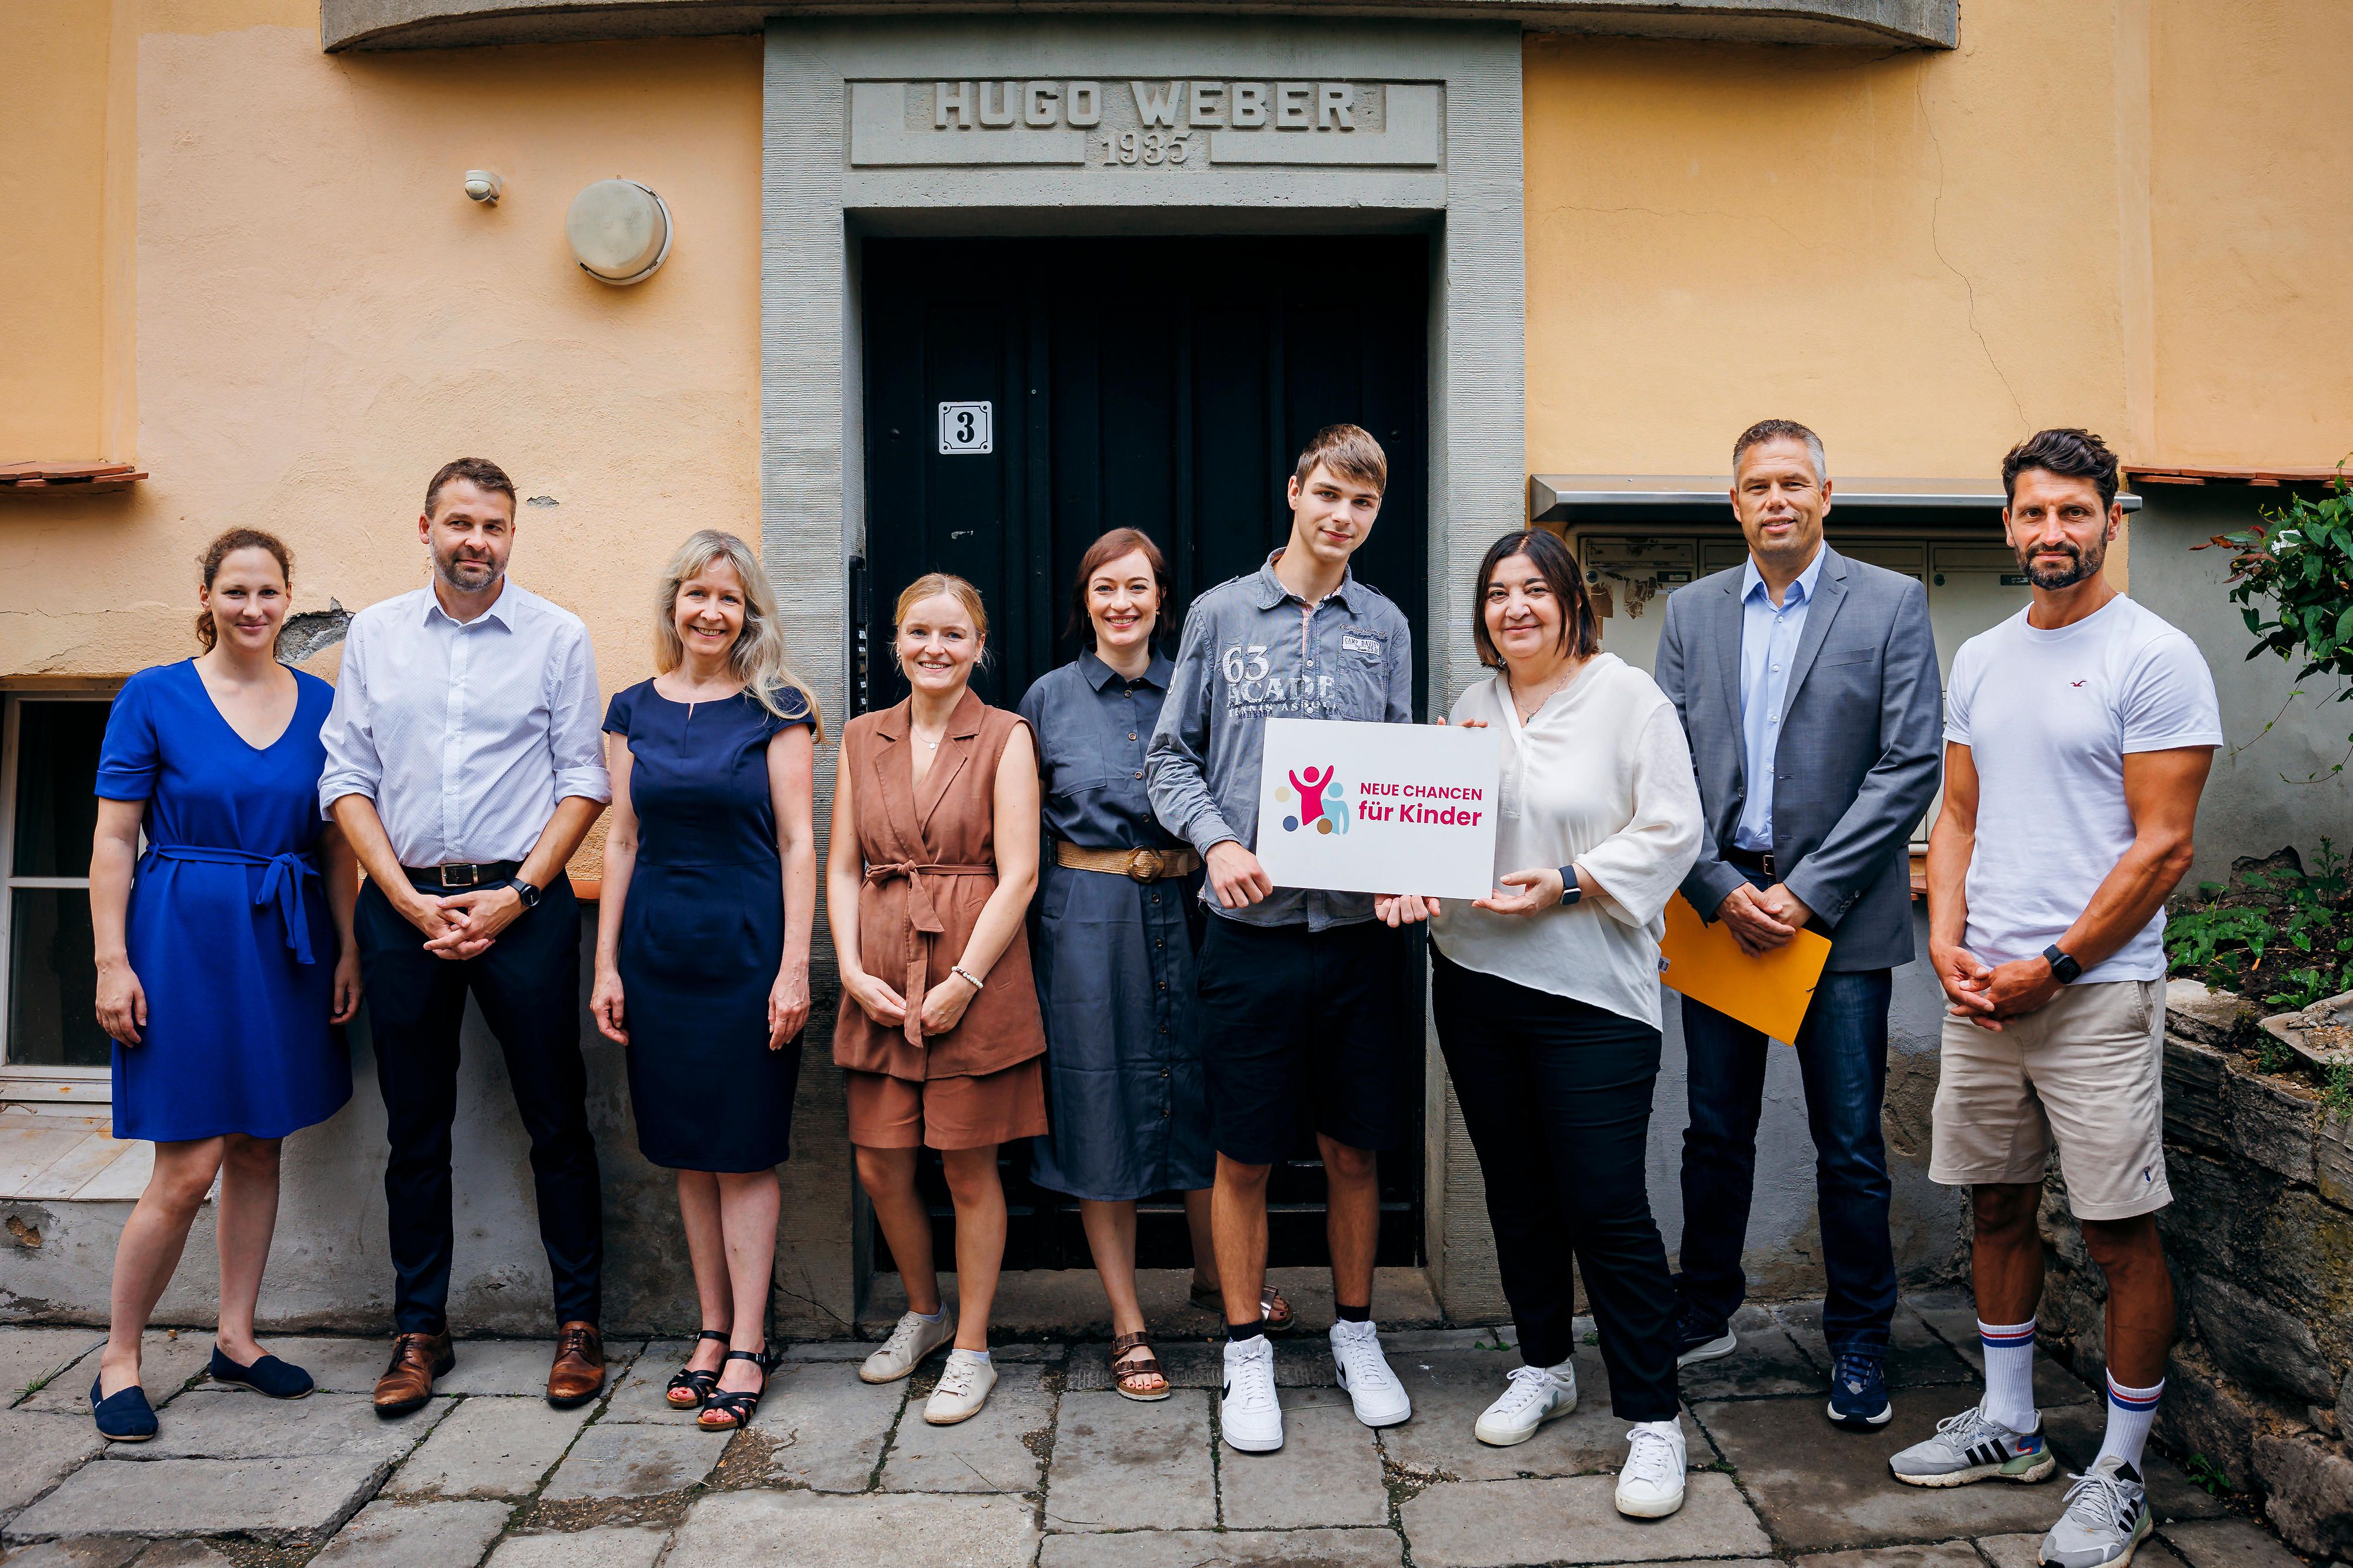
(123,1417)
(278,1379)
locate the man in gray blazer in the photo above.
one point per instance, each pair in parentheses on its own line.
(1808,685)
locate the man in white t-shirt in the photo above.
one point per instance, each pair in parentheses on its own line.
(2077,737)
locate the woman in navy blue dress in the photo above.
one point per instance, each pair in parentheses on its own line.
(1113,951)
(702,938)
(225,951)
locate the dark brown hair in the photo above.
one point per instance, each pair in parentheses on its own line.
(220,549)
(1580,632)
(1110,547)
(2072,454)
(1350,452)
(480,472)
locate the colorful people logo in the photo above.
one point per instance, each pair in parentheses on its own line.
(1320,805)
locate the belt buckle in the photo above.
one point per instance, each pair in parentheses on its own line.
(1144,866)
(473,876)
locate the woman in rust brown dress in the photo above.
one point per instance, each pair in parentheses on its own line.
(928,879)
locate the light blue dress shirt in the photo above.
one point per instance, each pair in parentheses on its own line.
(1769,646)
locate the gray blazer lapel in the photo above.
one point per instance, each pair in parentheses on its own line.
(1830,592)
(1726,620)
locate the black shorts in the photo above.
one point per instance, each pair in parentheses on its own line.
(1301,1026)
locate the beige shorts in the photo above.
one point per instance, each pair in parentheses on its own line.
(2085,1070)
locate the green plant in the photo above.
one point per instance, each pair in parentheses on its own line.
(2281,957)
(2336,1095)
(2300,560)
(2205,1474)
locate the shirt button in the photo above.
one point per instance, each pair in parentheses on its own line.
(1131,734)
(1139,773)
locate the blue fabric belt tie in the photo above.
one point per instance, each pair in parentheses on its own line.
(282,879)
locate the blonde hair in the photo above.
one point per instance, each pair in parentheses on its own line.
(758,657)
(934,586)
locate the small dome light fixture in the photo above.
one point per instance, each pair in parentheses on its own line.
(621,231)
(484,186)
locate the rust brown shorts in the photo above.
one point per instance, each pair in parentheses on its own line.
(968,1113)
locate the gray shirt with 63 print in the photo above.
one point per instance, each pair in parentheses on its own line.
(1253,650)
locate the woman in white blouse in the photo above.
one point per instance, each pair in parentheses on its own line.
(1546,996)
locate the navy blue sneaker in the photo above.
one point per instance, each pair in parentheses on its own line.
(278,1379)
(1859,1393)
(1698,1340)
(124,1416)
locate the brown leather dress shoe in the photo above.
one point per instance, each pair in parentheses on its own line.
(417,1361)
(578,1374)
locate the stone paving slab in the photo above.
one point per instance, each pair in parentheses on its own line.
(29,1357)
(1240,1548)
(2228,1544)
(489,1447)
(806,1530)
(234,1423)
(418,1535)
(36,1450)
(984,1454)
(339,1363)
(827,1427)
(1490,1524)
(1329,1471)
(1955,1320)
(167,1363)
(637,1392)
(1823,1490)
(1916,1358)
(1120,1464)
(2075,1432)
(1766,1362)
(630,1460)
(611,1546)
(82,1551)
(1944,1554)
(277,1500)
(1451,1389)
(2025,1552)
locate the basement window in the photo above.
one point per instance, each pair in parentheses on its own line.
(51,1047)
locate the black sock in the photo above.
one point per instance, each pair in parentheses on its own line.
(1237,1332)
(1348,1314)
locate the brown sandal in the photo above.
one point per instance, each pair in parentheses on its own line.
(1125,1371)
(1274,1311)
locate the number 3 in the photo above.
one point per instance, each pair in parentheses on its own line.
(963,426)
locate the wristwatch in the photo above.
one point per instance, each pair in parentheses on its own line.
(1569,892)
(2064,969)
(525,891)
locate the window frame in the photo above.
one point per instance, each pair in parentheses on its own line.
(24,1081)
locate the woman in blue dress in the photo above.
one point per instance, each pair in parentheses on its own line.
(702,938)
(225,951)
(1113,951)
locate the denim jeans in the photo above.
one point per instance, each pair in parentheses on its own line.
(1842,1057)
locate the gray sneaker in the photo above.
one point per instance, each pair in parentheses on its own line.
(1974,1447)
(2105,1522)
(910,1341)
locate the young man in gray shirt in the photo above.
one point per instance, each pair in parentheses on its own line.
(1301,1000)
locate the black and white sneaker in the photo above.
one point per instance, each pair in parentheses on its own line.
(2107,1519)
(1699,1341)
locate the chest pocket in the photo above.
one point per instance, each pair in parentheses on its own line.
(1833,656)
(1361,664)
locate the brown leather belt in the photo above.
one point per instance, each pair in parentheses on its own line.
(1141,864)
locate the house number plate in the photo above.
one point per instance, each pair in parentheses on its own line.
(965,429)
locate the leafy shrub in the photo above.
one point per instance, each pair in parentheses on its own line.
(2302,563)
(2281,956)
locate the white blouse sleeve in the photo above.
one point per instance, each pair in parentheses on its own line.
(1641,865)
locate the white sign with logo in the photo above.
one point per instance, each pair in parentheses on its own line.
(1380,808)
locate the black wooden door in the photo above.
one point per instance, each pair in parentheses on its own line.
(1166,384)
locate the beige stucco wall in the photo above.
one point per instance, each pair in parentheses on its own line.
(322,318)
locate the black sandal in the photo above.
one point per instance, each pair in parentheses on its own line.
(695,1385)
(738,1408)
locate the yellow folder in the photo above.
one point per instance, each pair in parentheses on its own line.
(1768,993)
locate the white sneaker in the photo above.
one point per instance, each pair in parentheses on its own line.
(913,1339)
(2107,1519)
(1652,1484)
(1249,1411)
(1379,1398)
(963,1388)
(1534,1395)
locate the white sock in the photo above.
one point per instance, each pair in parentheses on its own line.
(2009,1372)
(2130,1412)
(934,1317)
(972,1355)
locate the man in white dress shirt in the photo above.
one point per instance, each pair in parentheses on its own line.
(465,763)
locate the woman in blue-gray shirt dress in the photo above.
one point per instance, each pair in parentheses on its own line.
(224,951)
(1113,951)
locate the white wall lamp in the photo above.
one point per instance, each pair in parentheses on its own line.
(621,231)
(484,186)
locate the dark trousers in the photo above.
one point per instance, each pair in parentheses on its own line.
(1842,1057)
(1557,1096)
(528,985)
